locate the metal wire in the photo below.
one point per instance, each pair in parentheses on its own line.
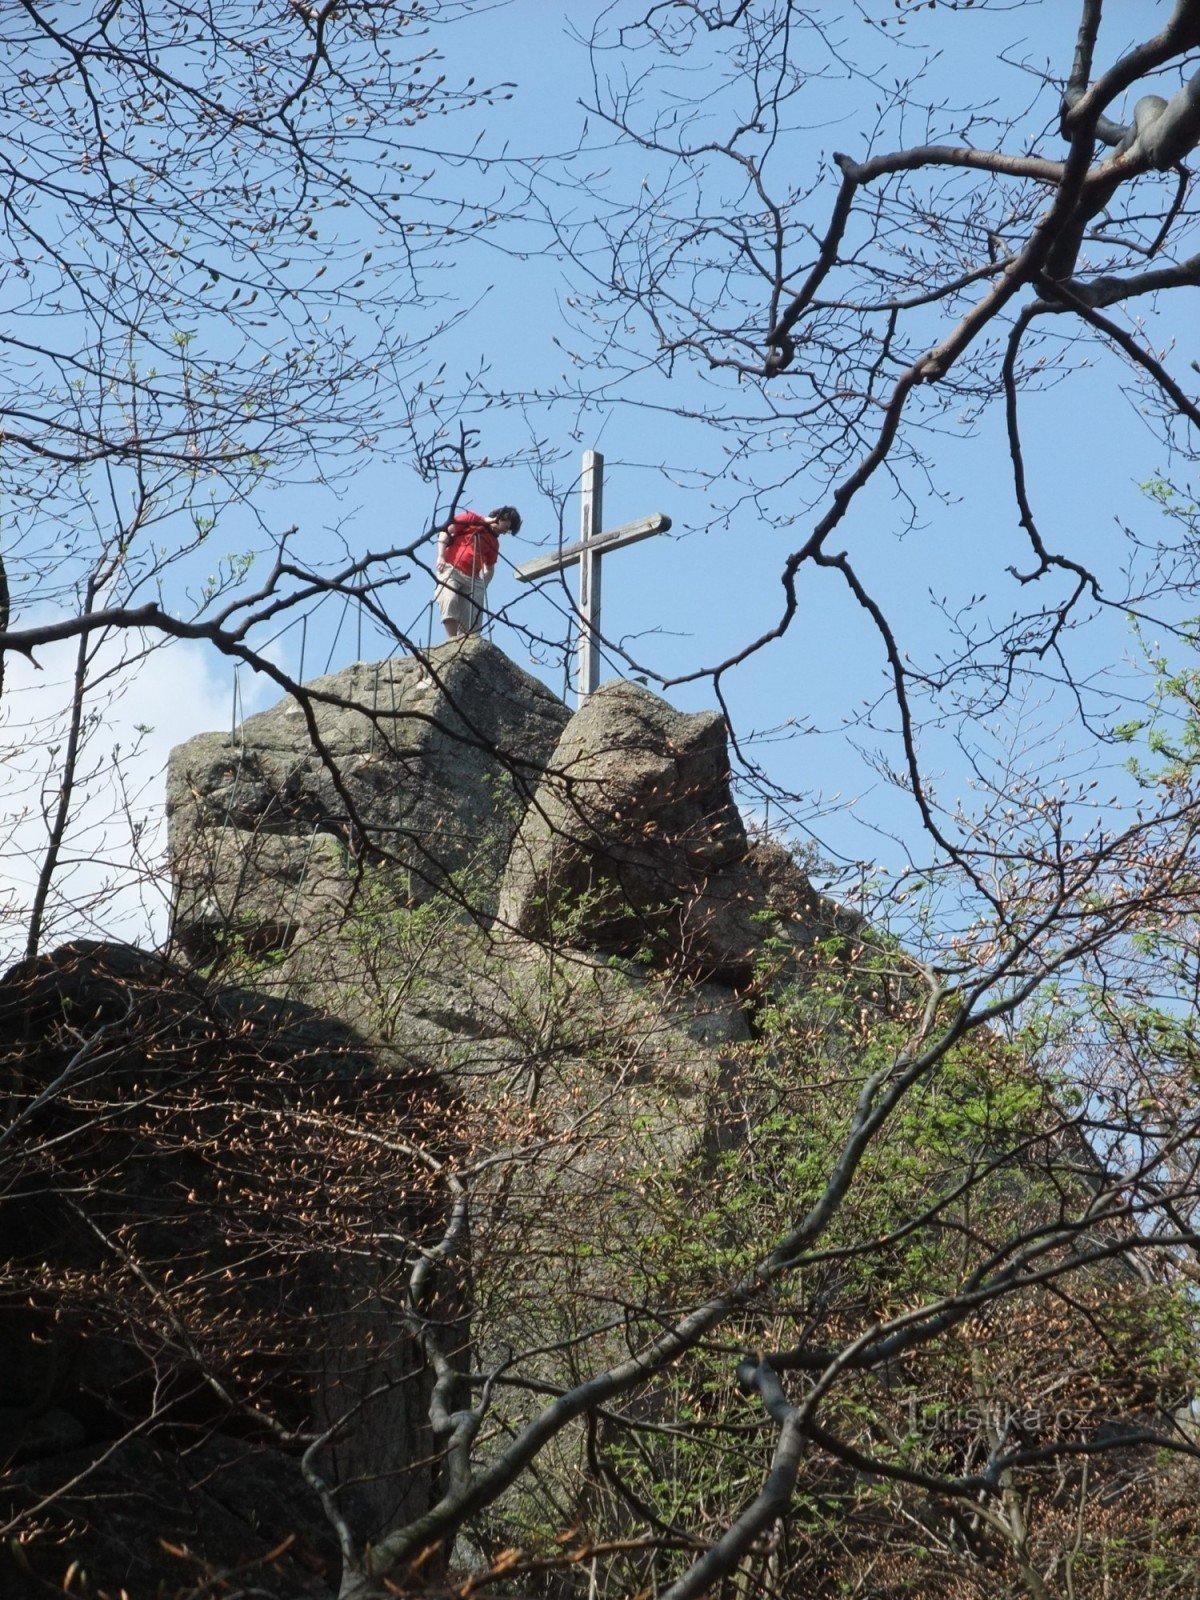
(337,634)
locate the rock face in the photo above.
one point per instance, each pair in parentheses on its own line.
(617,825)
(426,771)
(464,1020)
(177,1300)
(456,870)
(633,843)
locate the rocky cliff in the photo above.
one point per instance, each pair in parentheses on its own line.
(486,1039)
(612,830)
(428,908)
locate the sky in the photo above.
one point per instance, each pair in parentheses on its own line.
(685,600)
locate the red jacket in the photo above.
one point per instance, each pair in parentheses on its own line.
(472,546)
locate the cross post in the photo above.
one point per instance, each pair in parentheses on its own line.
(591,520)
(593,544)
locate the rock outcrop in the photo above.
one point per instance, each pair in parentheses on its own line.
(432,914)
(614,830)
(179,1301)
(425,770)
(633,843)
(482,1058)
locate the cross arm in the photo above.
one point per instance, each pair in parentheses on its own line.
(559,560)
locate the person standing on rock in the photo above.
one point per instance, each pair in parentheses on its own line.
(466,558)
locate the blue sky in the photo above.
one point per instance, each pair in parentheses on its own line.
(685,601)
(691,598)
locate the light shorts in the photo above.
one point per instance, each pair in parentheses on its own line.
(461,598)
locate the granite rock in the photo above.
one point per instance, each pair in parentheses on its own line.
(425,770)
(633,843)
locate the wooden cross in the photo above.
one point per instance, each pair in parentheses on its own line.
(592,545)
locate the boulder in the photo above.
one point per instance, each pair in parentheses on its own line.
(177,1271)
(423,769)
(633,843)
(200,1139)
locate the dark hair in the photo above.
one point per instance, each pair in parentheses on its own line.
(511,515)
